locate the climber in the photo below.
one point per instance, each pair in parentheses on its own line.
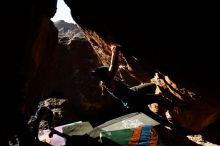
(136,97)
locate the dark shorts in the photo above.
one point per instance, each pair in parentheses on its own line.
(139,96)
(146,88)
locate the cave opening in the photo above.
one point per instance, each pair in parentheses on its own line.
(62,13)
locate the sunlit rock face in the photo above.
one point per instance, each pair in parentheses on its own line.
(179,40)
(69,30)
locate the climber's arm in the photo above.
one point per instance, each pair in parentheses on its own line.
(114,62)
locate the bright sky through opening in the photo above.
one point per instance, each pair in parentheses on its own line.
(63,13)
